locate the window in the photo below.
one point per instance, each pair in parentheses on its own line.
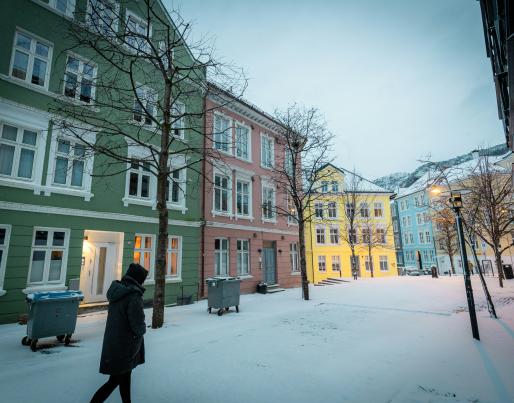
(384,264)
(48,256)
(332,210)
(335,186)
(139,179)
(243,257)
(425,218)
(419,218)
(222,193)
(322,264)
(368,263)
(243,201)
(336,263)
(318,210)
(144,106)
(352,236)
(178,119)
(405,239)
(293,256)
(334,235)
(292,216)
(288,162)
(411,237)
(428,237)
(5,234)
(364,210)
(242,142)
(402,205)
(177,184)
(31,59)
(366,235)
(421,237)
(222,133)
(432,255)
(324,187)
(350,210)
(381,235)
(144,252)
(425,255)
(409,221)
(66,7)
(69,163)
(102,17)
(18,148)
(320,235)
(79,80)
(221,257)
(268,203)
(174,257)
(267,152)
(378,210)
(137,34)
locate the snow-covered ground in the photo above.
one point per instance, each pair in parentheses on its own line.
(379,340)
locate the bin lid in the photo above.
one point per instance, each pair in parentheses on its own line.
(48,295)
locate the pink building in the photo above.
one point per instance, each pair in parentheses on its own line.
(244,234)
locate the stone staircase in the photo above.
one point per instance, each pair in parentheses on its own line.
(331,281)
(273,288)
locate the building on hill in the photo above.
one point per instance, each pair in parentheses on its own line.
(349,213)
(58,221)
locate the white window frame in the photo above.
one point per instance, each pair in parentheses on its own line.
(140,154)
(178,163)
(239,125)
(32,55)
(221,252)
(364,207)
(428,237)
(246,180)
(45,283)
(334,210)
(114,27)
(384,263)
(80,76)
(70,7)
(267,186)
(335,186)
(5,251)
(169,251)
(378,207)
(87,179)
(368,263)
(142,250)
(379,232)
(222,139)
(336,262)
(335,234)
(150,100)
(229,190)
(321,235)
(294,257)
(264,163)
(421,237)
(366,238)
(242,254)
(178,125)
(140,21)
(322,263)
(319,210)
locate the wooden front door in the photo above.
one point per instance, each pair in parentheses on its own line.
(270,265)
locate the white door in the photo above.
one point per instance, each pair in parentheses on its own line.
(98,270)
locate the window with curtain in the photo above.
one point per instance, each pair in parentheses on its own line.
(222,135)
(243,197)
(221,193)
(48,256)
(243,257)
(69,163)
(18,148)
(174,257)
(144,252)
(221,257)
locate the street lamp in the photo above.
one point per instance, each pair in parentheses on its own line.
(456,202)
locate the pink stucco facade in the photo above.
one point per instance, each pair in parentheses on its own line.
(235,234)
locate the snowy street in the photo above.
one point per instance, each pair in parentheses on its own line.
(381,340)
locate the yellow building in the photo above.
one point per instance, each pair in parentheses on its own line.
(349,212)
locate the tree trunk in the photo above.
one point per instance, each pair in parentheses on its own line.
(452,265)
(303,259)
(370,263)
(499,267)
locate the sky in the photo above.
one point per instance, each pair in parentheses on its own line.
(396,80)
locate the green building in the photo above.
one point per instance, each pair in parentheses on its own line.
(62,217)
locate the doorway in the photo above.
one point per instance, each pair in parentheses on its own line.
(269,262)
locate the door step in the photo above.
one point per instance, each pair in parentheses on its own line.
(331,281)
(274,288)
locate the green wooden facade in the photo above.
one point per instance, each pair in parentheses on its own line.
(98,213)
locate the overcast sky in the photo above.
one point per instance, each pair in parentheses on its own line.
(396,80)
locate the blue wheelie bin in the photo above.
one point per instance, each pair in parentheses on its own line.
(52,313)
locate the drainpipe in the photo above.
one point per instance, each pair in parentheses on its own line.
(202,240)
(312,249)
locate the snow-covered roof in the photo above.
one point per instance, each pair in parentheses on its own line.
(363,185)
(452,174)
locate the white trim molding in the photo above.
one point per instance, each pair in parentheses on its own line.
(249,228)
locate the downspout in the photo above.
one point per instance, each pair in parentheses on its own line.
(312,249)
(203,190)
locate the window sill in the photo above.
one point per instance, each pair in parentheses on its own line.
(244,217)
(268,168)
(19,183)
(53,10)
(245,277)
(48,287)
(2,292)
(76,102)
(295,273)
(34,87)
(140,202)
(269,221)
(221,214)
(68,191)
(169,280)
(177,207)
(227,153)
(142,125)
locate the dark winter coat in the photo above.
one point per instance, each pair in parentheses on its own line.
(123,346)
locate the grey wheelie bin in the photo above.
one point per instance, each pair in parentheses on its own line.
(52,313)
(223,292)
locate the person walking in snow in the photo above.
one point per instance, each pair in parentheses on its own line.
(354,271)
(123,345)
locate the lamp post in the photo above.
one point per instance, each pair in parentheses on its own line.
(456,202)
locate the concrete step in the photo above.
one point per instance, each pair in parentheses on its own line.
(274,288)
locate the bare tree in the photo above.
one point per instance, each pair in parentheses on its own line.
(491,202)
(139,86)
(303,133)
(446,234)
